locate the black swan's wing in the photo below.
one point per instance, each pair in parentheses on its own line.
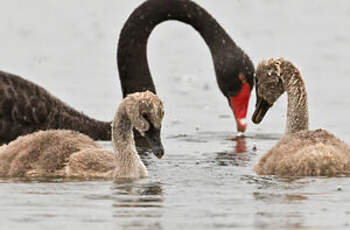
(26,107)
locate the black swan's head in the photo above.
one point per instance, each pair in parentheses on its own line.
(269,87)
(236,82)
(234,70)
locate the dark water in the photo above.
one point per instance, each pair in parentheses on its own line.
(206,179)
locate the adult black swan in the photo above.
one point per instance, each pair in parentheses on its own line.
(26,107)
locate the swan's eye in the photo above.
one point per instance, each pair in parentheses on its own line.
(146,117)
(257,81)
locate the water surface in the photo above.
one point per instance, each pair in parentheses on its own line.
(206,178)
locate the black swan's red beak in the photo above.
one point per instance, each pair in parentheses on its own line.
(239,106)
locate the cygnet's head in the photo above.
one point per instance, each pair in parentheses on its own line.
(145,111)
(269,87)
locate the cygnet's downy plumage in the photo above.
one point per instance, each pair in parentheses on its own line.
(300,152)
(65,153)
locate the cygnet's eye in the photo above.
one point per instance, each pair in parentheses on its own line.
(146,117)
(256,80)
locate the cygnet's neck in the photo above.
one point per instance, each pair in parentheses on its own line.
(297,114)
(122,136)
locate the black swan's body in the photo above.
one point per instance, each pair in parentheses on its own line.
(26,107)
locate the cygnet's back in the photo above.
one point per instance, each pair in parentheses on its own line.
(306,153)
(43,149)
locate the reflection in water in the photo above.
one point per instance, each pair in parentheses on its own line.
(279,220)
(276,183)
(278,198)
(237,157)
(269,196)
(241,146)
(138,205)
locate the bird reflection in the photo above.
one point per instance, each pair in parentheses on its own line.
(138,204)
(241,146)
(238,156)
(130,194)
(268,217)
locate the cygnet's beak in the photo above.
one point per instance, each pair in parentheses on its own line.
(262,106)
(158,151)
(153,138)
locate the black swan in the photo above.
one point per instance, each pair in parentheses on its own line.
(26,107)
(300,152)
(67,153)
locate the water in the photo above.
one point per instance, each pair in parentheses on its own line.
(206,178)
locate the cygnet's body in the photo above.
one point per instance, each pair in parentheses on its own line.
(300,152)
(65,153)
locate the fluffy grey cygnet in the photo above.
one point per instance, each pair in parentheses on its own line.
(300,152)
(65,153)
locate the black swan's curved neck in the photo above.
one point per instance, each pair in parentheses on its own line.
(132,48)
